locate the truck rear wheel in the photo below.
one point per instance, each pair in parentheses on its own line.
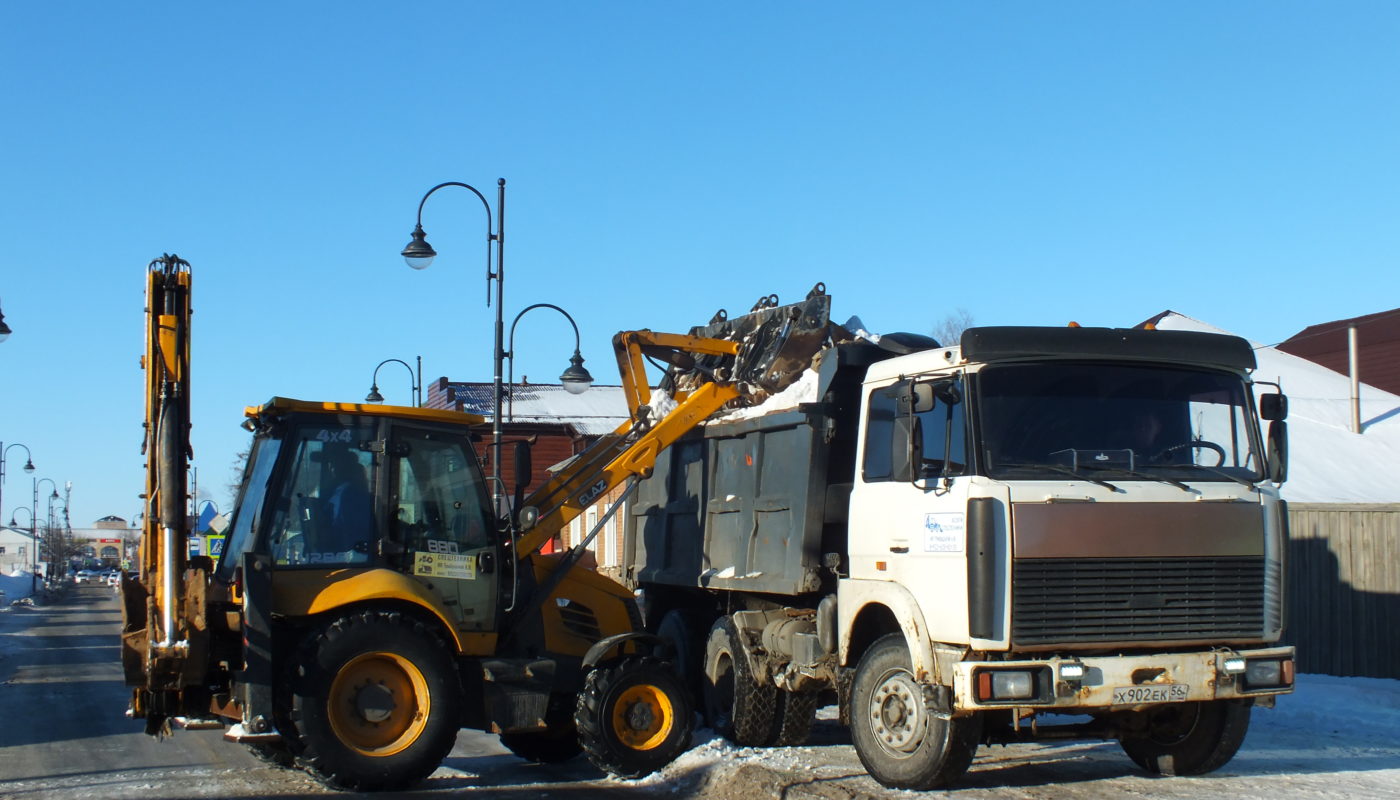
(1187,738)
(633,718)
(376,702)
(901,743)
(794,715)
(737,706)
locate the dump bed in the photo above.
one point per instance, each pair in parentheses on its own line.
(754,504)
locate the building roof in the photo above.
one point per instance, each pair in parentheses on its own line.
(6,530)
(597,411)
(1378,347)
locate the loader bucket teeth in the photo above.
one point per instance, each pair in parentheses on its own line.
(777,342)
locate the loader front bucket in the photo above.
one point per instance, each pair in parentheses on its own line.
(777,342)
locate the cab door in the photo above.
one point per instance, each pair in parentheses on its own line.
(438,514)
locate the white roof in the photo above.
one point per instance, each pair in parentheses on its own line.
(1327,463)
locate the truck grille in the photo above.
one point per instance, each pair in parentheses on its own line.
(1136,599)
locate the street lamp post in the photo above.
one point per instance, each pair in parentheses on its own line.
(28,468)
(419,254)
(575,379)
(33,573)
(417,377)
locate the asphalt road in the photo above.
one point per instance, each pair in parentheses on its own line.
(63,732)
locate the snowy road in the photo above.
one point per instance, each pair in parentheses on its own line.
(63,736)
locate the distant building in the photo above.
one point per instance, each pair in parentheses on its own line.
(16,550)
(1378,347)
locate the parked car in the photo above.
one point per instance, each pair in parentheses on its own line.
(85,576)
(114,579)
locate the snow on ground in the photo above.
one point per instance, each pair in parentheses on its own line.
(1327,462)
(16,585)
(1332,738)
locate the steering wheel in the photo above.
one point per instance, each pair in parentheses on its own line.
(1198,444)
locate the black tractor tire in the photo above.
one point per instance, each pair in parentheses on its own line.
(737,706)
(793,718)
(550,746)
(376,702)
(682,631)
(1188,738)
(901,743)
(274,754)
(634,717)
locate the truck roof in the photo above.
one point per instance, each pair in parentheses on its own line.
(283,405)
(1015,343)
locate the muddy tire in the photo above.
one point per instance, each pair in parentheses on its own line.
(634,717)
(793,717)
(376,702)
(1187,738)
(274,754)
(901,743)
(736,706)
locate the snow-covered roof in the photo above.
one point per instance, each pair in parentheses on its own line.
(593,413)
(1327,463)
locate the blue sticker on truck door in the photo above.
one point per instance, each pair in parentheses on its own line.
(944,532)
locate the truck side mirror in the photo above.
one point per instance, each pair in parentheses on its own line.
(906,449)
(1273,407)
(1278,451)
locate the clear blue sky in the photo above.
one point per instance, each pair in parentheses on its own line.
(1030,162)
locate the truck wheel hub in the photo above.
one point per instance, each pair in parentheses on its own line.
(896,715)
(374,702)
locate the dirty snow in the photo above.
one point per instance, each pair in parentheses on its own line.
(803,390)
(1332,738)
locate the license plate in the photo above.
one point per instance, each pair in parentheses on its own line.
(1153,693)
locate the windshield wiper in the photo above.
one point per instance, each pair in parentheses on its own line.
(1062,471)
(1143,475)
(1222,473)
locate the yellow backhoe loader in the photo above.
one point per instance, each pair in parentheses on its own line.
(369,602)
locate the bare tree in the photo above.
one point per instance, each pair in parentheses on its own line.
(949,331)
(236,470)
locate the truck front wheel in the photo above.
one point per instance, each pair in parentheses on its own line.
(902,743)
(376,702)
(1187,738)
(633,718)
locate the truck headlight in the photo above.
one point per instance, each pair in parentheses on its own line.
(1263,673)
(1007,684)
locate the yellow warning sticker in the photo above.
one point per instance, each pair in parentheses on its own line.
(444,565)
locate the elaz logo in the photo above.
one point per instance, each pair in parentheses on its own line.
(587,498)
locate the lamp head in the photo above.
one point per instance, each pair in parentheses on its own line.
(419,254)
(29,465)
(576,379)
(374,396)
(4,329)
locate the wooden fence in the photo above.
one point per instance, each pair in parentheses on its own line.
(1343,585)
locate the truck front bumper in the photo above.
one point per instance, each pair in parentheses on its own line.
(1122,683)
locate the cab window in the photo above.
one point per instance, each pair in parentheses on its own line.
(440,504)
(326,512)
(939,424)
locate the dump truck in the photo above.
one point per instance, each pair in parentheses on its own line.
(370,601)
(1033,533)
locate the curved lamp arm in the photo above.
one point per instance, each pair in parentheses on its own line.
(415,382)
(575,379)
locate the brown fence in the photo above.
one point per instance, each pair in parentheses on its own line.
(1344,588)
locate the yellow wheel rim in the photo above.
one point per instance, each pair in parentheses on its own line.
(642,717)
(379,704)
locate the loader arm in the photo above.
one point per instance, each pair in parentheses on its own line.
(633,447)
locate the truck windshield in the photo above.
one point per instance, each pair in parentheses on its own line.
(1116,421)
(250,504)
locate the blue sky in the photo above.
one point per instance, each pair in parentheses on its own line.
(1032,163)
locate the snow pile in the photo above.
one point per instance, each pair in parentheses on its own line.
(15,586)
(803,390)
(1327,462)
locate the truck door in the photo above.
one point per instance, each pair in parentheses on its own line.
(911,504)
(438,515)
